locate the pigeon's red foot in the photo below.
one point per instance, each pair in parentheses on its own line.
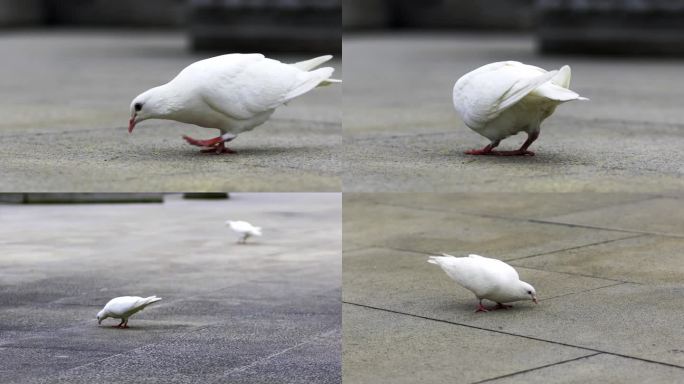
(502,306)
(215,145)
(204,143)
(219,149)
(481,308)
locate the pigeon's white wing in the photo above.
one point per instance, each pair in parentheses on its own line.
(483,94)
(558,88)
(242,86)
(505,270)
(122,305)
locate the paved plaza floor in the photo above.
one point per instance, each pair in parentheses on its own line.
(267,311)
(608,269)
(65,98)
(402,133)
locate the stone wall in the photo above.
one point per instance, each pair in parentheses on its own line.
(459,14)
(21,12)
(622,27)
(266,25)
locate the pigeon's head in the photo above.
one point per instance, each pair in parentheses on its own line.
(148,105)
(101,316)
(528,292)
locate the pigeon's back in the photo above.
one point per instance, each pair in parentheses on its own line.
(480,275)
(242,86)
(128,305)
(484,93)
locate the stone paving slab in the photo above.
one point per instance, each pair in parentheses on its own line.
(383,347)
(66,97)
(225,306)
(643,259)
(659,215)
(530,206)
(402,133)
(609,369)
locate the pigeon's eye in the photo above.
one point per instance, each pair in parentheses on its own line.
(138,107)
(529,292)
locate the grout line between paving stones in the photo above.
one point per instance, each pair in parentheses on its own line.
(580,246)
(537,368)
(542,221)
(509,333)
(269,357)
(519,266)
(588,290)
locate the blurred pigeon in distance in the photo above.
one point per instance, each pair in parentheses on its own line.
(244,230)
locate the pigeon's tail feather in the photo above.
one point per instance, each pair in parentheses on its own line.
(562,78)
(556,92)
(522,88)
(256,231)
(149,300)
(329,81)
(308,65)
(313,79)
(438,259)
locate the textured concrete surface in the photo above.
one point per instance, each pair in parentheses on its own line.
(402,133)
(65,109)
(613,300)
(267,311)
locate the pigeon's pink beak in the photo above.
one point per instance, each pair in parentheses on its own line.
(131,124)
(534,299)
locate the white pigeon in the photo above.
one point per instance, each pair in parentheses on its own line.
(233,93)
(124,307)
(487,278)
(500,99)
(244,230)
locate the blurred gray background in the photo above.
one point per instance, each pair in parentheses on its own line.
(561,26)
(266,25)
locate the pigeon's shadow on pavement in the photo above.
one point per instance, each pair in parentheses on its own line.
(552,158)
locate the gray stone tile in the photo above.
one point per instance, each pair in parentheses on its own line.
(601,368)
(383,347)
(529,205)
(224,305)
(658,215)
(644,259)
(28,365)
(424,231)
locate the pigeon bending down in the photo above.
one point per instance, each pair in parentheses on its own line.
(124,307)
(244,230)
(499,100)
(487,278)
(233,93)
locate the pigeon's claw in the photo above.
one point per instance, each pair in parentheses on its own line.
(481,308)
(219,149)
(518,152)
(502,306)
(204,143)
(216,145)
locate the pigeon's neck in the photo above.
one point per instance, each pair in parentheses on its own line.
(167,100)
